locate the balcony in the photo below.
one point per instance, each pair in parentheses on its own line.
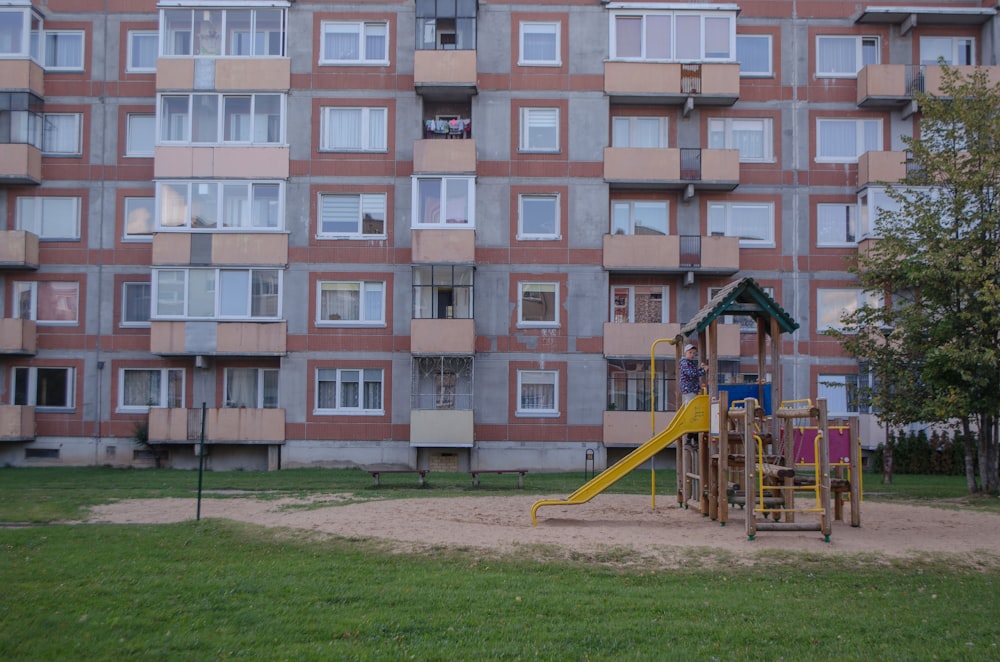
(894,85)
(17,423)
(623,339)
(671,83)
(444,156)
(441,427)
(242,73)
(18,248)
(881,168)
(632,428)
(18,336)
(220,248)
(22,74)
(230,426)
(218,338)
(433,246)
(245,162)
(445,75)
(672,168)
(20,164)
(715,255)
(442,337)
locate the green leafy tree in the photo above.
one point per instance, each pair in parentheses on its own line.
(932,331)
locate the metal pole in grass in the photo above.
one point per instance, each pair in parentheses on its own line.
(201,460)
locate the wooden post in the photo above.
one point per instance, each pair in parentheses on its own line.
(749,462)
(854,471)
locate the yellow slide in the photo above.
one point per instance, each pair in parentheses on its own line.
(692,418)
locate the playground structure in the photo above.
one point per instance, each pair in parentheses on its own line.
(774,463)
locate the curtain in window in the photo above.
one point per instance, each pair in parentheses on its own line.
(688,38)
(838,139)
(646,132)
(350,389)
(373,302)
(836,55)
(342,43)
(326,389)
(753,53)
(264,293)
(717,37)
(658,37)
(376,129)
(343,130)
(872,136)
(373,389)
(241,388)
(628,36)
(539,43)
(270,381)
(751,222)
(748,138)
(340,301)
(64,50)
(141,388)
(375,40)
(61,134)
(537,391)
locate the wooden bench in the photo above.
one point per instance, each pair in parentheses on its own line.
(520,475)
(377,472)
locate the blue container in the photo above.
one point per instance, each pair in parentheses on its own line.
(744,391)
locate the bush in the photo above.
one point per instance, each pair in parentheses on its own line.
(915,453)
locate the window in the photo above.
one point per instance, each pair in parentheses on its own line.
(251,388)
(138,220)
(349,391)
(136,304)
(143,49)
(47,302)
(629,385)
(229,119)
(354,130)
(444,200)
(50,217)
(21,118)
(61,134)
(354,42)
(217,293)
(442,382)
(639,304)
(43,387)
(872,201)
(833,303)
(140,135)
(845,56)
(64,50)
(843,141)
(442,291)
(680,36)
(351,215)
(350,302)
(836,224)
(232,205)
(446,25)
(141,389)
(242,32)
(635,217)
(753,52)
(841,393)
(648,132)
(539,130)
(538,217)
(538,305)
(955,51)
(752,137)
(537,393)
(752,222)
(539,44)
(17,25)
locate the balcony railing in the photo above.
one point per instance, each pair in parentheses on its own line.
(704,169)
(716,255)
(17,423)
(245,426)
(716,84)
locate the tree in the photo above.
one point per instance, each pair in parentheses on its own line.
(932,331)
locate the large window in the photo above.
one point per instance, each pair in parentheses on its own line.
(18,27)
(225,205)
(349,391)
(50,217)
(228,119)
(140,134)
(447,25)
(845,56)
(64,50)
(143,49)
(538,217)
(354,42)
(539,44)
(537,393)
(539,130)
(139,214)
(684,36)
(836,224)
(61,134)
(646,132)
(141,389)
(351,215)
(43,387)
(208,32)
(872,201)
(354,130)
(538,305)
(639,217)
(342,303)
(217,294)
(752,222)
(639,304)
(833,303)
(629,385)
(444,201)
(955,51)
(442,382)
(251,388)
(442,291)
(841,393)
(752,137)
(843,141)
(47,302)
(136,304)
(753,52)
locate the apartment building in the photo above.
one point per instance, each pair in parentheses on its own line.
(434,233)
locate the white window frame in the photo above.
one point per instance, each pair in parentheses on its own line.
(835,388)
(364,204)
(363,58)
(767,40)
(531,118)
(723,217)
(624,312)
(137,205)
(833,302)
(721,132)
(373,126)
(181,294)
(542,378)
(264,400)
(76,49)
(184,194)
(842,219)
(871,201)
(627,132)
(164,376)
(182,110)
(31,25)
(956,46)
(543,28)
(365,290)
(445,182)
(860,144)
(34,219)
(339,379)
(859,49)
(630,208)
(222,48)
(31,390)
(51,134)
(134,50)
(526,287)
(140,126)
(553,200)
(124,320)
(30,288)
(646,18)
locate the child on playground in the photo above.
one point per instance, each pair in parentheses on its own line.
(691,374)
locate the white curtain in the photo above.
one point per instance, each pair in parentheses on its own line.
(141,388)
(241,388)
(836,55)
(659,36)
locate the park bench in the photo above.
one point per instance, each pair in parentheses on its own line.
(520,475)
(377,471)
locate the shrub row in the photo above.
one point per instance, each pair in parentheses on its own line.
(916,453)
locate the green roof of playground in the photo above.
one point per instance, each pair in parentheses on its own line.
(741,297)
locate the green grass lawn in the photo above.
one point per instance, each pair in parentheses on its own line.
(221,590)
